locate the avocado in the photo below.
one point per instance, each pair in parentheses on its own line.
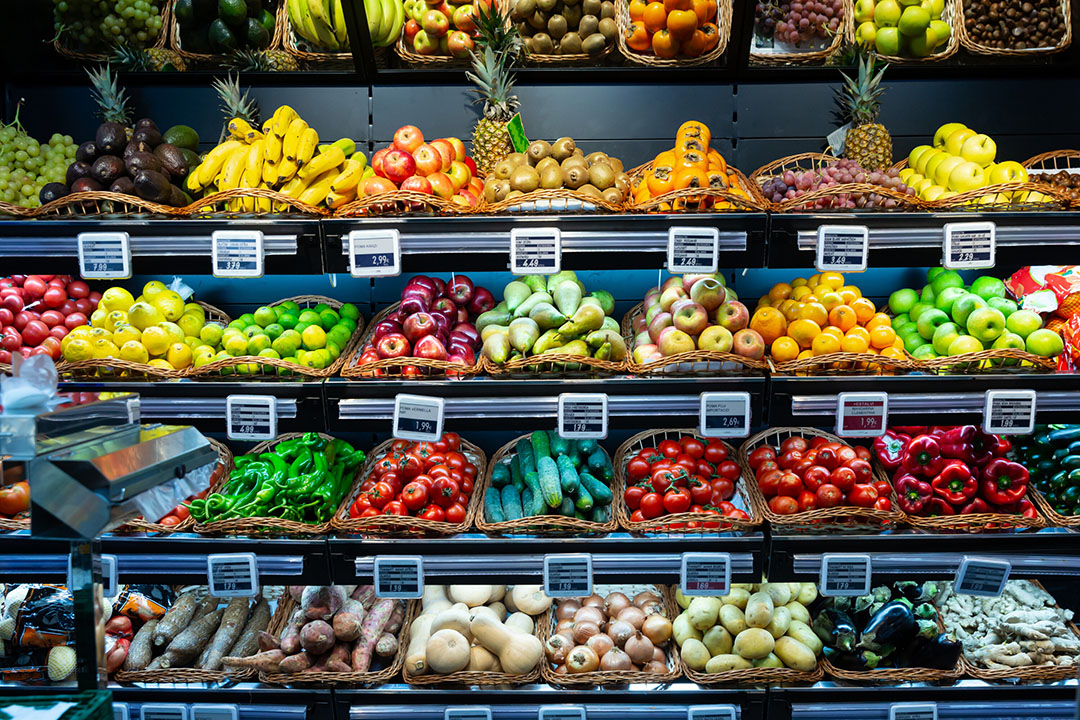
(106,169)
(135,147)
(176,197)
(149,135)
(266,19)
(52,191)
(191,157)
(172,159)
(143,123)
(85,184)
(233,12)
(142,161)
(182,137)
(221,38)
(110,138)
(196,40)
(257,37)
(204,10)
(152,186)
(254,8)
(184,10)
(123,185)
(76,170)
(87,152)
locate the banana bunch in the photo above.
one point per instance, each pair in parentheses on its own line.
(320,22)
(384,19)
(285,155)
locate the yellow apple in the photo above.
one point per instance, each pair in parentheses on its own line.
(915,154)
(1008,171)
(946,166)
(979,149)
(966,176)
(945,131)
(922,185)
(934,192)
(955,142)
(920,164)
(932,164)
(906,173)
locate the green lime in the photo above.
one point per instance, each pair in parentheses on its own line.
(270,353)
(309,316)
(314,337)
(252,330)
(338,335)
(290,305)
(302,326)
(238,323)
(320,307)
(321,359)
(348,310)
(278,311)
(247,318)
(329,319)
(335,351)
(264,316)
(234,12)
(288,320)
(348,323)
(285,346)
(258,343)
(211,333)
(274,330)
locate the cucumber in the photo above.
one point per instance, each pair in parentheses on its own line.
(601,513)
(1070,462)
(584,500)
(1064,437)
(526,455)
(536,506)
(548,474)
(586,447)
(601,493)
(559,446)
(500,475)
(566,509)
(568,475)
(511,502)
(580,515)
(1074,448)
(526,501)
(600,466)
(541,446)
(515,474)
(493,505)
(574,455)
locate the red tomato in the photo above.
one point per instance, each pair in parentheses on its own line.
(817,441)
(455,460)
(632,497)
(737,513)
(815,477)
(370,512)
(652,505)
(470,471)
(685,461)
(362,503)
(827,458)
(466,486)
(381,494)
(802,466)
(681,474)
(677,500)
(455,513)
(411,466)
(435,459)
(637,517)
(846,454)
(704,469)
(883,503)
(863,473)
(384,464)
(693,447)
(662,464)
(765,467)
(883,488)
(863,452)
(424,449)
(843,478)
(647,452)
(725,507)
(670,449)
(661,480)
(716,453)
(169,521)
(637,469)
(441,445)
(807,501)
(433,512)
(783,505)
(462,498)
(393,479)
(700,491)
(795,442)
(769,484)
(453,440)
(395,507)
(828,495)
(182,512)
(789,459)
(760,455)
(729,469)
(427,481)
(863,496)
(790,485)
(415,495)
(724,487)
(438,471)
(444,492)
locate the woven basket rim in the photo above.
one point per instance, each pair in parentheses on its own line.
(159,40)
(289,45)
(508,204)
(1053,517)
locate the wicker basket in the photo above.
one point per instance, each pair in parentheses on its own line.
(300,49)
(844,363)
(984,361)
(1053,517)
(15,211)
(1010,197)
(951,15)
(410,367)
(555,365)
(416,60)
(1050,163)
(194,57)
(839,519)
(788,56)
(402,524)
(534,524)
(650,438)
(979,49)
(402,202)
(559,200)
(104,204)
(616,677)
(770,676)
(576,59)
(723,32)
(160,41)
(272,367)
(241,202)
(812,161)
(748,199)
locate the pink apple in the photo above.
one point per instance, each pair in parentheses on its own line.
(661,321)
(708,292)
(459,149)
(643,352)
(642,338)
(691,318)
(446,151)
(417,184)
(732,315)
(377,161)
(425,44)
(459,43)
(430,347)
(399,166)
(465,18)
(652,312)
(638,324)
(670,295)
(408,138)
(459,175)
(748,343)
(436,25)
(673,281)
(652,297)
(419,325)
(466,198)
(428,159)
(441,185)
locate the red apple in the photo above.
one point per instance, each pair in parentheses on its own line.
(466,356)
(385,327)
(419,325)
(468,330)
(377,161)
(425,44)
(440,287)
(464,18)
(428,159)
(748,343)
(442,185)
(461,289)
(417,184)
(446,153)
(733,316)
(482,301)
(399,166)
(446,307)
(471,164)
(459,43)
(376,185)
(430,347)
(78,289)
(459,148)
(465,198)
(408,138)
(74,320)
(442,321)
(394,345)
(411,29)
(459,175)
(59,332)
(414,304)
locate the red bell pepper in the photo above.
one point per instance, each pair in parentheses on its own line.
(912,493)
(909,430)
(1024,507)
(956,443)
(983,447)
(937,507)
(977,505)
(923,456)
(1004,481)
(889,448)
(1004,446)
(955,484)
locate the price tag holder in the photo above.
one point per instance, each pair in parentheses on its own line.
(705,573)
(861,414)
(724,414)
(568,575)
(418,417)
(210,711)
(913,711)
(375,253)
(535,251)
(251,417)
(981,576)
(237,253)
(693,249)
(105,569)
(120,711)
(233,574)
(712,712)
(1009,412)
(104,255)
(583,415)
(472,712)
(969,245)
(399,576)
(561,712)
(845,575)
(842,248)
(164,711)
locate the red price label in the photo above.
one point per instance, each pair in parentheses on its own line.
(861,414)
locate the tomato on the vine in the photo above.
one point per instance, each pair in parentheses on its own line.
(693,447)
(677,500)
(637,469)
(661,480)
(687,462)
(700,491)
(652,505)
(670,449)
(632,496)
(723,487)
(704,469)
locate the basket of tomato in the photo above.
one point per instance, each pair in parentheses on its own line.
(679,481)
(415,487)
(14,498)
(812,481)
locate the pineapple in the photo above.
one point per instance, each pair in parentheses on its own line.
(148,60)
(264,61)
(110,97)
(499,46)
(234,103)
(868,142)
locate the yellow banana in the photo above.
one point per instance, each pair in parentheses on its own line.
(297,20)
(292,138)
(320,23)
(360,158)
(242,130)
(306,149)
(286,114)
(373,11)
(254,170)
(294,187)
(338,16)
(319,10)
(348,178)
(262,204)
(286,170)
(347,145)
(269,173)
(272,147)
(335,200)
(211,164)
(391,28)
(233,170)
(191,182)
(267,125)
(317,190)
(323,162)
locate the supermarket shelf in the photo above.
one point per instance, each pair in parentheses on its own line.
(588,241)
(498,697)
(746,704)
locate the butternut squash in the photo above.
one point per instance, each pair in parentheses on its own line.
(520,622)
(497,593)
(530,599)
(518,653)
(455,618)
(419,632)
(432,595)
(447,652)
(482,659)
(500,610)
(471,595)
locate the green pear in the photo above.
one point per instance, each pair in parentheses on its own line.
(536,282)
(567,296)
(554,280)
(515,293)
(610,323)
(496,348)
(532,301)
(547,316)
(588,317)
(547,342)
(607,302)
(523,334)
(601,339)
(492,317)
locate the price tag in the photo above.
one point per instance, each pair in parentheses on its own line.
(164,711)
(476,712)
(237,253)
(913,711)
(969,245)
(583,415)
(705,573)
(251,417)
(845,575)
(561,712)
(693,249)
(120,711)
(208,711)
(418,417)
(861,414)
(724,414)
(981,576)
(712,712)
(535,251)
(842,248)
(1009,412)
(233,575)
(399,576)
(110,587)
(104,255)
(568,575)
(374,253)
(134,409)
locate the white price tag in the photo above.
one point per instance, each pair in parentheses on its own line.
(583,415)
(981,576)
(845,575)
(375,253)
(842,248)
(237,253)
(164,711)
(969,245)
(208,711)
(399,576)
(712,712)
(120,711)
(724,414)
(104,255)
(705,573)
(418,417)
(473,712)
(693,249)
(568,575)
(535,251)
(251,417)
(862,414)
(232,575)
(913,711)
(1009,412)
(134,409)
(561,712)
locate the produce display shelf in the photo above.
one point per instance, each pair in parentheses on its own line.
(676,693)
(598,709)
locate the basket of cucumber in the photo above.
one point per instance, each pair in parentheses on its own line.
(542,484)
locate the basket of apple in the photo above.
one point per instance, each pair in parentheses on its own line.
(437,33)
(38,311)
(413,175)
(429,333)
(902,32)
(692,324)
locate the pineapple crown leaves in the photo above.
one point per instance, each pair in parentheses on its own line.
(859,97)
(495,31)
(234,102)
(111,99)
(498,47)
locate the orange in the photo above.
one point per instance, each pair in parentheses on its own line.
(864,309)
(833,279)
(853,288)
(664,44)
(847,294)
(834,331)
(694,46)
(891,352)
(854,344)
(784,349)
(843,317)
(799,282)
(805,354)
(859,332)
(814,280)
(882,337)
(814,311)
(878,319)
(790,309)
(780,291)
(825,343)
(804,332)
(812,298)
(769,323)
(898,343)
(705,10)
(830,299)
(637,9)
(798,292)
(712,35)
(654,17)
(682,24)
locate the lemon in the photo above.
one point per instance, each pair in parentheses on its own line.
(257,344)
(211,333)
(114,319)
(202,351)
(125,334)
(176,335)
(179,356)
(264,316)
(159,363)
(195,309)
(269,353)
(156,339)
(334,350)
(78,349)
(99,333)
(170,304)
(97,318)
(105,349)
(134,351)
(314,338)
(116,298)
(236,346)
(190,323)
(152,289)
(142,315)
(200,360)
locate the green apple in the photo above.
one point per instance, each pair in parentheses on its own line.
(1023,322)
(945,299)
(927,295)
(985,324)
(944,168)
(942,30)
(1009,340)
(964,306)
(934,192)
(947,279)
(979,149)
(887,14)
(864,10)
(967,176)
(923,44)
(925,351)
(964,344)
(934,7)
(945,131)
(914,21)
(988,287)
(933,272)
(887,40)
(1008,171)
(955,142)
(902,301)
(905,3)
(912,341)
(1044,343)
(932,164)
(1005,305)
(918,308)
(943,337)
(932,318)
(913,156)
(866,34)
(925,158)
(900,322)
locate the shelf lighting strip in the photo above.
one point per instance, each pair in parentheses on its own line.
(924,237)
(936,402)
(511,407)
(944,563)
(206,408)
(168,246)
(161,564)
(667,564)
(572,241)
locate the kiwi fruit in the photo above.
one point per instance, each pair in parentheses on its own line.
(563,148)
(613,195)
(590,189)
(616,164)
(543,44)
(537,20)
(594,44)
(579,153)
(595,157)
(601,175)
(572,15)
(513,195)
(574,161)
(538,150)
(575,176)
(608,28)
(622,182)
(546,5)
(525,8)
(489,189)
(571,3)
(546,162)
(570,44)
(591,7)
(522,27)
(551,177)
(524,178)
(502,189)
(607,9)
(529,46)
(518,158)
(588,25)
(556,27)
(503,168)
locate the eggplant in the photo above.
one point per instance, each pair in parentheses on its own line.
(863,660)
(891,627)
(835,629)
(908,588)
(942,652)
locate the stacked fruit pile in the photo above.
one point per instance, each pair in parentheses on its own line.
(439,168)
(440,28)
(1052,457)
(793,184)
(96,25)
(673,28)
(558,165)
(690,164)
(385,19)
(225,26)
(569,29)
(322,23)
(948,317)
(27,166)
(38,311)
(1015,25)
(902,28)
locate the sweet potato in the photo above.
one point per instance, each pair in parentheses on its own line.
(296,591)
(397,616)
(320,602)
(365,594)
(347,621)
(139,654)
(176,619)
(386,645)
(369,634)
(268,641)
(295,663)
(290,636)
(338,666)
(232,624)
(248,643)
(317,637)
(186,646)
(267,662)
